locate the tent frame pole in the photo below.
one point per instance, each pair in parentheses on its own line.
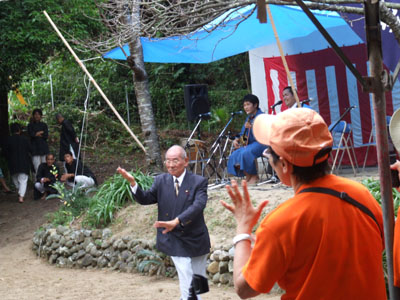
(331,42)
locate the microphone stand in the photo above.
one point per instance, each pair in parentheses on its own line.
(199,118)
(214,148)
(341,118)
(187,146)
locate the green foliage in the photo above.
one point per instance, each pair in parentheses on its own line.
(375,189)
(75,202)
(111,196)
(27,38)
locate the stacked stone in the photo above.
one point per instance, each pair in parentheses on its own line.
(97,248)
(220,267)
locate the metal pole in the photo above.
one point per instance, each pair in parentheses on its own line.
(127,106)
(379,103)
(51,93)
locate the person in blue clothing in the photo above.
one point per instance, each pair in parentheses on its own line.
(242,161)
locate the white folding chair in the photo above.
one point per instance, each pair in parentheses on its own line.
(343,143)
(372,141)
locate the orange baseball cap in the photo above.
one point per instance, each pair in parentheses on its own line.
(299,135)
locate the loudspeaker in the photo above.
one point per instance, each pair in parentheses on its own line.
(196,100)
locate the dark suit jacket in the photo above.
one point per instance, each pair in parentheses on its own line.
(192,238)
(18,153)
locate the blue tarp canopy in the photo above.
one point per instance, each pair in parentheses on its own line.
(203,46)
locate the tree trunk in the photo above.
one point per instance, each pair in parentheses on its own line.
(142,91)
(4,130)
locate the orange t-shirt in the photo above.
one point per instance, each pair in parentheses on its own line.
(317,246)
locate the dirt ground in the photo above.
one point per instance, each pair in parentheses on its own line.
(24,276)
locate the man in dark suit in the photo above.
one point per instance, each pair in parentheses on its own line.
(181,231)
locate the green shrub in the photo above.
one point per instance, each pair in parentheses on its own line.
(75,202)
(374,187)
(111,196)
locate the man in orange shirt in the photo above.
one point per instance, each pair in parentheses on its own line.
(326,242)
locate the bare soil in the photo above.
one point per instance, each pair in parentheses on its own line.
(25,276)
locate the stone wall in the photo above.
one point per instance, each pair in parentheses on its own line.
(97,248)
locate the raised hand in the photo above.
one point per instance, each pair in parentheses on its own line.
(245,213)
(127,176)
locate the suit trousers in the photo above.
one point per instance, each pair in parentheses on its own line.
(186,267)
(20,181)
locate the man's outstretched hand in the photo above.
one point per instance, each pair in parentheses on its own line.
(127,176)
(245,213)
(168,225)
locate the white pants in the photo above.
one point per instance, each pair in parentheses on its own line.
(82,181)
(20,181)
(37,160)
(186,267)
(40,187)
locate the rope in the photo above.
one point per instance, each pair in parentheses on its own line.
(83,128)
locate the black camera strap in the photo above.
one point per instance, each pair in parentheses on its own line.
(343,196)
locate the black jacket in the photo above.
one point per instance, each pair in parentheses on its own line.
(17,150)
(190,238)
(82,170)
(67,137)
(44,171)
(39,144)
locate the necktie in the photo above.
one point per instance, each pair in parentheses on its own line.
(176,186)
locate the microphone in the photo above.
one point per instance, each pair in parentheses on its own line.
(205,115)
(302,102)
(276,104)
(237,113)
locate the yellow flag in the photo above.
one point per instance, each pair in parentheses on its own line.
(19,96)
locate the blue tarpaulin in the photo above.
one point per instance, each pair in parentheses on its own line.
(228,40)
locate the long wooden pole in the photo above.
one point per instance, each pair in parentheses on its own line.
(94,82)
(372,27)
(278,42)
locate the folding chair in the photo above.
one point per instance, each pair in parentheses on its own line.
(372,141)
(196,152)
(342,143)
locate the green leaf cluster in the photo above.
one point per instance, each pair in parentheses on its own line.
(113,195)
(74,203)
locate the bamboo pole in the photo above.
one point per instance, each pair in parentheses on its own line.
(283,57)
(372,28)
(94,82)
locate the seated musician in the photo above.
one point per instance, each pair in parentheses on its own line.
(242,160)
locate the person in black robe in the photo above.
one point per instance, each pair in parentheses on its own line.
(84,176)
(39,133)
(17,151)
(69,142)
(48,173)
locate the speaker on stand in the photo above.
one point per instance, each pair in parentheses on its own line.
(196,100)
